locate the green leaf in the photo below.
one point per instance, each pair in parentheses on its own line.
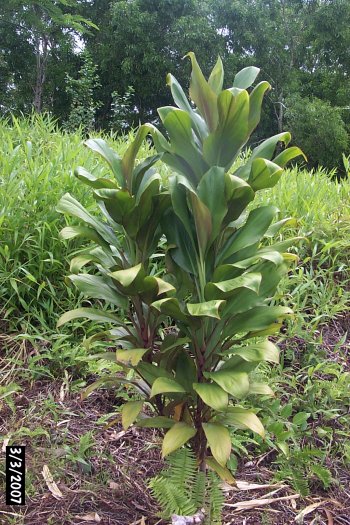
(163,385)
(128,277)
(77,263)
(101,147)
(212,395)
(150,372)
(202,219)
(131,357)
(182,102)
(211,191)
(72,207)
(250,233)
(177,436)
(233,382)
(97,287)
(219,441)
(128,160)
(255,102)
(216,78)
(225,289)
(263,351)
(243,419)
(88,313)
(179,127)
(264,174)
(90,179)
(258,318)
(246,77)
(221,471)
(155,422)
(130,411)
(71,232)
(287,155)
(170,306)
(118,203)
(185,371)
(205,309)
(203,95)
(221,146)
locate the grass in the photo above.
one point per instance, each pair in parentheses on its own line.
(307,423)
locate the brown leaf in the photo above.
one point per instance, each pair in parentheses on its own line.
(53,488)
(92,516)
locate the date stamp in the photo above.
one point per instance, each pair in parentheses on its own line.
(15,475)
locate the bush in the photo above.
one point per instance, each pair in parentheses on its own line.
(318,128)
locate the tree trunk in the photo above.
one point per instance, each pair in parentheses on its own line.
(42,51)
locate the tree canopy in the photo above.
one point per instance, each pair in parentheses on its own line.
(302,47)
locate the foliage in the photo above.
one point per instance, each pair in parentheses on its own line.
(122,110)
(180,489)
(220,275)
(319,127)
(81,91)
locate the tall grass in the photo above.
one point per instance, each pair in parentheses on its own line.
(36,168)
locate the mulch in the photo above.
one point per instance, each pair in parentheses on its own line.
(115,491)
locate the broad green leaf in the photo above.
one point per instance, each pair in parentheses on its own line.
(255,102)
(185,371)
(262,389)
(130,411)
(164,286)
(179,187)
(155,422)
(182,102)
(275,228)
(129,276)
(233,382)
(256,319)
(203,95)
(264,174)
(224,289)
(221,146)
(211,191)
(202,219)
(163,385)
(206,309)
(128,160)
(150,372)
(263,351)
(212,395)
(88,313)
(71,232)
(250,233)
(267,148)
(177,436)
(140,170)
(97,287)
(238,195)
(77,263)
(246,77)
(90,179)
(244,419)
(103,381)
(101,147)
(170,306)
(287,155)
(216,77)
(131,357)
(221,471)
(118,203)
(219,441)
(71,206)
(179,127)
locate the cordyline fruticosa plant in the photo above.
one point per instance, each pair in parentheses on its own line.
(221,267)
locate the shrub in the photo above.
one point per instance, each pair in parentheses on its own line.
(193,330)
(318,128)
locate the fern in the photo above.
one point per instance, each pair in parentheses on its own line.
(181,489)
(215,500)
(323,474)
